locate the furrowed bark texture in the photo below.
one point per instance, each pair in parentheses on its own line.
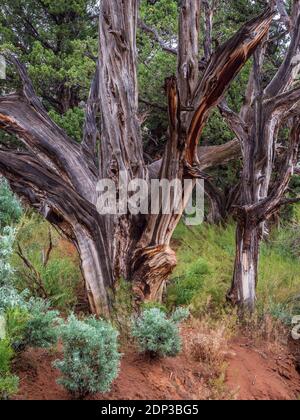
(59,178)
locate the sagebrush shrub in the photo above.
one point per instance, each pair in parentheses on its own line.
(180,315)
(7,238)
(91,357)
(10,208)
(32,325)
(11,298)
(156,334)
(41,331)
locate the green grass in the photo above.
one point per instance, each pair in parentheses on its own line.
(205,265)
(60,277)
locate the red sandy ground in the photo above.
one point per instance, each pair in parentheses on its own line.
(253,374)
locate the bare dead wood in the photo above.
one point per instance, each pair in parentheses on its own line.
(227,60)
(208,41)
(188,111)
(285,17)
(44,139)
(234,121)
(91,134)
(63,207)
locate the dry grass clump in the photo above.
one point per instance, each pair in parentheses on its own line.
(266,331)
(209,347)
(208,344)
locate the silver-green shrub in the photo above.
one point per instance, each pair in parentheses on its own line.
(158,335)
(91,358)
(10,207)
(32,325)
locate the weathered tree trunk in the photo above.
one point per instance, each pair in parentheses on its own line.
(257,126)
(243,291)
(59,178)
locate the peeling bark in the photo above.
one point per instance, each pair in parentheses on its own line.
(243,292)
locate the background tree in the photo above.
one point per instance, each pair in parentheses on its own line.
(270,105)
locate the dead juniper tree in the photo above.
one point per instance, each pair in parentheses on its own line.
(59,178)
(268,107)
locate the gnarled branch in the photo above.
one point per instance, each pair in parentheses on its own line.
(47,143)
(157,38)
(234,121)
(91,132)
(223,67)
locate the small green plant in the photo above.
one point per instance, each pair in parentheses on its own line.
(8,382)
(180,315)
(156,334)
(91,357)
(122,310)
(31,324)
(6,355)
(154,305)
(16,324)
(41,331)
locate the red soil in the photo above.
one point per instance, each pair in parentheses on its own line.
(253,374)
(261,375)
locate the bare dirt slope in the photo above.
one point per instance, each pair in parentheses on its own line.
(261,375)
(253,374)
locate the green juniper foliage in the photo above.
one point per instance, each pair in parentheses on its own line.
(55,39)
(158,335)
(91,358)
